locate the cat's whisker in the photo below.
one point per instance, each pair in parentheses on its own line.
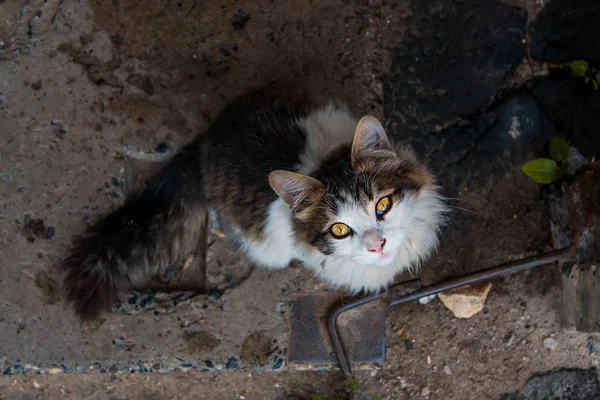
(456,199)
(462,209)
(313,277)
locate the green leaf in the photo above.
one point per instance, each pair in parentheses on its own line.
(597,77)
(376,398)
(579,67)
(542,170)
(352,385)
(559,149)
(595,84)
(587,79)
(315,396)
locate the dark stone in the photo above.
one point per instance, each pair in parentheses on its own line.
(146,301)
(409,344)
(36,85)
(133,299)
(278,364)
(50,232)
(239,20)
(148,87)
(452,61)
(564,384)
(232,362)
(572,107)
(161,147)
(566,30)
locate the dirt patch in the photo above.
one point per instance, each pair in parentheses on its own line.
(196,67)
(33,228)
(200,341)
(49,287)
(256,348)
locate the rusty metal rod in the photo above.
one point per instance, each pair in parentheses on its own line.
(490,273)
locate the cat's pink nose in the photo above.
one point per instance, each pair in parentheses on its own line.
(376,247)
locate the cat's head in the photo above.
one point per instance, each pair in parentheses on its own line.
(369,203)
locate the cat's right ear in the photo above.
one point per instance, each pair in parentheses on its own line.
(370,140)
(293,188)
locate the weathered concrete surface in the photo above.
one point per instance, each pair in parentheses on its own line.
(82,82)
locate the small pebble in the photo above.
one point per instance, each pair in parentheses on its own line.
(50,232)
(409,344)
(161,147)
(239,20)
(550,343)
(400,331)
(6,177)
(447,370)
(232,362)
(425,391)
(427,299)
(591,345)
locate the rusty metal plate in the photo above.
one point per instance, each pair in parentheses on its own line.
(362,330)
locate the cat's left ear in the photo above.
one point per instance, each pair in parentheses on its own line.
(370,140)
(294,188)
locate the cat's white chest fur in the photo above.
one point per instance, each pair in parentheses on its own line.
(278,246)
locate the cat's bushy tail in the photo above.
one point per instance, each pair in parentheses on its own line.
(126,248)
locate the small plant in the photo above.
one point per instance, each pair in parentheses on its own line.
(546,170)
(582,69)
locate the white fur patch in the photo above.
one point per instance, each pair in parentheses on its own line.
(325,129)
(279,247)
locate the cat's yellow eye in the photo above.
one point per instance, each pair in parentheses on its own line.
(383,206)
(340,230)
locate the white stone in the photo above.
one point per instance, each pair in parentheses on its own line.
(550,343)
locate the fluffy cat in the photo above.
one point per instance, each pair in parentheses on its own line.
(285,179)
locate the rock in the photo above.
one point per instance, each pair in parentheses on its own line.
(566,30)
(466,301)
(447,370)
(550,343)
(426,299)
(439,72)
(55,371)
(566,383)
(425,391)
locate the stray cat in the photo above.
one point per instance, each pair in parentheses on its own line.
(286,179)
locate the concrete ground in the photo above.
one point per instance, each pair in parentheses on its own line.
(82,82)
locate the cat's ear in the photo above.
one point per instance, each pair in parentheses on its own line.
(293,188)
(370,140)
